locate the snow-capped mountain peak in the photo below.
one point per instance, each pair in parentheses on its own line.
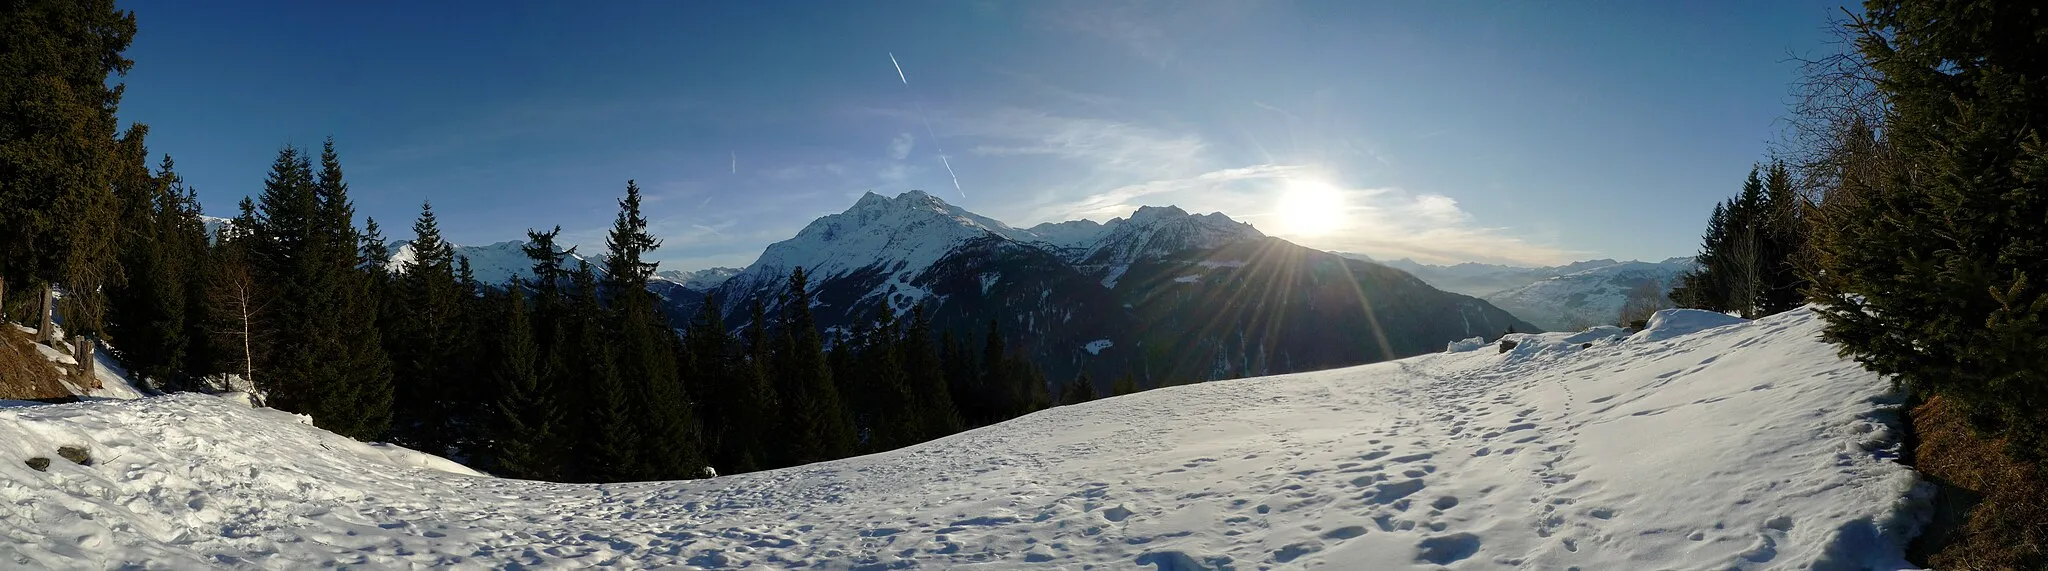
(898,237)
(1156,231)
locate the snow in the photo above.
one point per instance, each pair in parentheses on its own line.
(1749,445)
(1676,322)
(1463,345)
(1095,347)
(1188,279)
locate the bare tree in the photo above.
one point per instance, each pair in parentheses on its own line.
(1643,300)
(233,293)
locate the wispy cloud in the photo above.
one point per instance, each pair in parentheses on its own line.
(1101,143)
(899,148)
(1393,223)
(1122,200)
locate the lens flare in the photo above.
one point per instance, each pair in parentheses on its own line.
(1311,207)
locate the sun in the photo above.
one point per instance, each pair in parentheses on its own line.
(1311,207)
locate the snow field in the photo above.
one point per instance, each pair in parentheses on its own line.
(1744,446)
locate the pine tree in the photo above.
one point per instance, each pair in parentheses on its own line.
(526,443)
(1930,269)
(819,427)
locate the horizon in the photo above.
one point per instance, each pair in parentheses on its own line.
(1395,132)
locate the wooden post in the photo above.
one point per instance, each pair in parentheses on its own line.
(46,334)
(81,351)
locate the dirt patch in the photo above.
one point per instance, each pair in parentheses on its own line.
(1991,511)
(24,373)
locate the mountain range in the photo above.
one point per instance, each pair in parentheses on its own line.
(1567,297)
(1172,296)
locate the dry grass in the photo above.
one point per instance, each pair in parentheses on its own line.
(2008,528)
(24,373)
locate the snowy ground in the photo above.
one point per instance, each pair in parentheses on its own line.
(1747,446)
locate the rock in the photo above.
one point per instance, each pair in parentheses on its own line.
(40,464)
(1507,345)
(1586,345)
(76,454)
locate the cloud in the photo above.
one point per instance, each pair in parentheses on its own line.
(1390,223)
(899,148)
(1122,200)
(1102,143)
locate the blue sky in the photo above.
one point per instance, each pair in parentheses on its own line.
(1446,131)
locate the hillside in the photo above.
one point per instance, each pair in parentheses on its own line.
(1743,446)
(1559,298)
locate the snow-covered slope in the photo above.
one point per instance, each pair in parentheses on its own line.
(1588,297)
(1746,446)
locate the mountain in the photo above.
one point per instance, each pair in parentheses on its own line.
(1587,297)
(1741,446)
(1176,297)
(1479,280)
(1568,297)
(700,280)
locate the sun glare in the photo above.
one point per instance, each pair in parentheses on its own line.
(1311,207)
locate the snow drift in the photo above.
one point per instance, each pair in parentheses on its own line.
(1744,446)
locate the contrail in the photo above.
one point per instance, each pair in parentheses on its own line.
(735,162)
(918,103)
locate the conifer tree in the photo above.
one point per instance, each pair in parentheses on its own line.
(526,443)
(925,369)
(426,333)
(57,208)
(1931,268)
(893,406)
(819,429)
(1080,390)
(756,419)
(1124,385)
(609,442)
(647,349)
(355,373)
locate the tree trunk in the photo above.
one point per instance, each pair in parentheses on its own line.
(81,351)
(3,299)
(45,333)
